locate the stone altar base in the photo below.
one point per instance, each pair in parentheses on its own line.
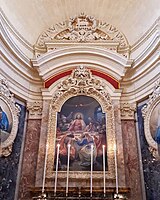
(79,193)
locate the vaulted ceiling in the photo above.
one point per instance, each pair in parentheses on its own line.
(31,17)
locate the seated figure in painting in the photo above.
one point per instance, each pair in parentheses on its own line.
(77,124)
(83,147)
(64,122)
(63,151)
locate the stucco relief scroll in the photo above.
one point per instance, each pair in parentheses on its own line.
(151,114)
(82,29)
(9,119)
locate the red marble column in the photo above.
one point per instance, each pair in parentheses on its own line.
(29,158)
(119,146)
(30,151)
(42,144)
(131,158)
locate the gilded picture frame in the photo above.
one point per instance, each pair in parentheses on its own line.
(81,82)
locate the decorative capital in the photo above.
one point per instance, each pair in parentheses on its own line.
(127,111)
(35,109)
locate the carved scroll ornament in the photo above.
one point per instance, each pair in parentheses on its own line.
(82,29)
(9,119)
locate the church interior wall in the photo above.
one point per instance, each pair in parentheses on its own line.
(22,171)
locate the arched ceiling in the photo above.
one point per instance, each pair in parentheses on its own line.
(31,17)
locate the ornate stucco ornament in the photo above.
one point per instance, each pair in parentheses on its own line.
(9,119)
(127,111)
(151,114)
(35,109)
(82,82)
(82,29)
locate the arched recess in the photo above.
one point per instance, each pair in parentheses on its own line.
(81,82)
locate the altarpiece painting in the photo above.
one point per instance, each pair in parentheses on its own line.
(81,123)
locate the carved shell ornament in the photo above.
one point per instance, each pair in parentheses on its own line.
(9,119)
(151,114)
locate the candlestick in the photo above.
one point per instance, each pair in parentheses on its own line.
(104,172)
(44,170)
(55,184)
(116,169)
(91,169)
(69,146)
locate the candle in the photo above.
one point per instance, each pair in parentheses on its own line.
(91,168)
(69,146)
(104,174)
(116,170)
(55,184)
(44,171)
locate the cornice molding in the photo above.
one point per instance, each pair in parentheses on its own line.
(62,59)
(147,52)
(19,37)
(153,30)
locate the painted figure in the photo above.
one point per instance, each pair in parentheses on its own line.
(157,134)
(78,124)
(4,123)
(84,150)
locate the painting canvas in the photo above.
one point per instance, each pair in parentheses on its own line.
(5,121)
(155,124)
(81,123)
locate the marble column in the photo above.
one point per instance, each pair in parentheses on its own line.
(119,145)
(29,162)
(42,144)
(130,145)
